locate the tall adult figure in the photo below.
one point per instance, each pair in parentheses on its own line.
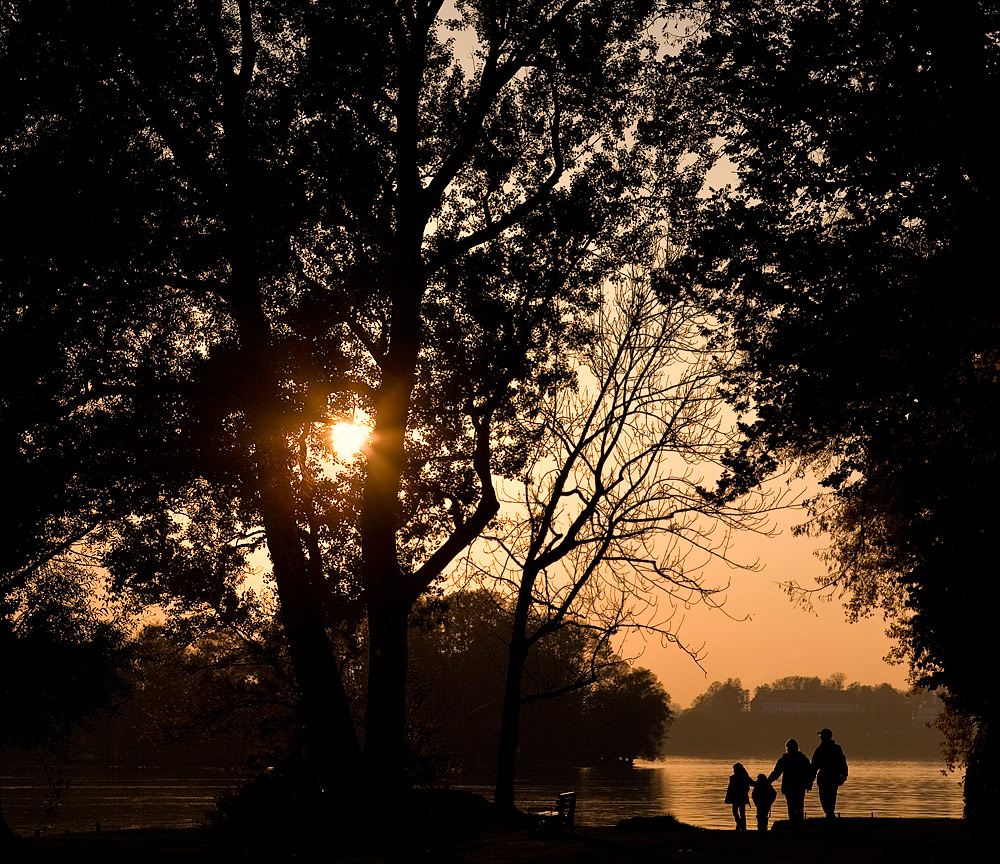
(829,767)
(796,774)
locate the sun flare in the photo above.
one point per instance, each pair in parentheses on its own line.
(348,439)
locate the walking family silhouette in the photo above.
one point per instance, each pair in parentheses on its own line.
(828,769)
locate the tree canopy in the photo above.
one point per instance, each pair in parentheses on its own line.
(849,264)
(232,224)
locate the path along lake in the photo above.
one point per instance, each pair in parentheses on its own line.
(692,789)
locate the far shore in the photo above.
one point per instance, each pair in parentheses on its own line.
(849,841)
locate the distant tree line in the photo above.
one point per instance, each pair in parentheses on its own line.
(870,722)
(215,702)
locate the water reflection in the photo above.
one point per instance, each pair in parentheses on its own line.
(117,798)
(694,790)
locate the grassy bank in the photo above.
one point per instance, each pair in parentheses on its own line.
(851,841)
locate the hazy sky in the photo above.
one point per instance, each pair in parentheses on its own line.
(780,638)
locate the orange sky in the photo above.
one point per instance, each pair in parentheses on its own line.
(780,638)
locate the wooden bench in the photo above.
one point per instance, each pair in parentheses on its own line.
(554,821)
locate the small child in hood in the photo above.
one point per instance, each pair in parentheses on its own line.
(763,798)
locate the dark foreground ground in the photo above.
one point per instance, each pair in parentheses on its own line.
(860,841)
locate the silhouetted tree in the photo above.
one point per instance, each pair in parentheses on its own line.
(723,698)
(459,651)
(115,191)
(613,516)
(511,191)
(847,265)
(207,702)
(300,211)
(626,716)
(63,659)
(716,723)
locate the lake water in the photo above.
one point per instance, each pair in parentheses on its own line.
(115,797)
(693,790)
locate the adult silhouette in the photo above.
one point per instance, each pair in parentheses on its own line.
(796,775)
(829,767)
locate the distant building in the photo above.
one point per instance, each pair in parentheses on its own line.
(805,702)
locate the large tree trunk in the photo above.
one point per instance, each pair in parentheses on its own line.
(385,730)
(510,720)
(389,598)
(324,708)
(391,591)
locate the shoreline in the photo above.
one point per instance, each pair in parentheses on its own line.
(859,841)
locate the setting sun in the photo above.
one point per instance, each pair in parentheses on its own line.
(348,439)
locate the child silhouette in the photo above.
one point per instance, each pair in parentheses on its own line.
(763,798)
(737,795)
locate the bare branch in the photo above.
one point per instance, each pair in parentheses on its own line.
(614,514)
